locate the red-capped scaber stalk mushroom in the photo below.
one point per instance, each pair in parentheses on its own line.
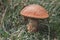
(34,12)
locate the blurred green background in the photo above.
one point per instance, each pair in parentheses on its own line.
(12,26)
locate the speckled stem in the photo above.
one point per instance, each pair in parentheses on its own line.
(32,25)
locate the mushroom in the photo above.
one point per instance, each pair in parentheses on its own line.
(34,12)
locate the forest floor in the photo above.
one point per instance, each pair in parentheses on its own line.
(12,26)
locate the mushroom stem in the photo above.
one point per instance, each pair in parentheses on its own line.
(32,25)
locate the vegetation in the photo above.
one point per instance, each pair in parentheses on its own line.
(12,26)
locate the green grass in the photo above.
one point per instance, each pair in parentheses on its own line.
(12,26)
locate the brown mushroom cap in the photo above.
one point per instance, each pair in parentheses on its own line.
(35,11)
